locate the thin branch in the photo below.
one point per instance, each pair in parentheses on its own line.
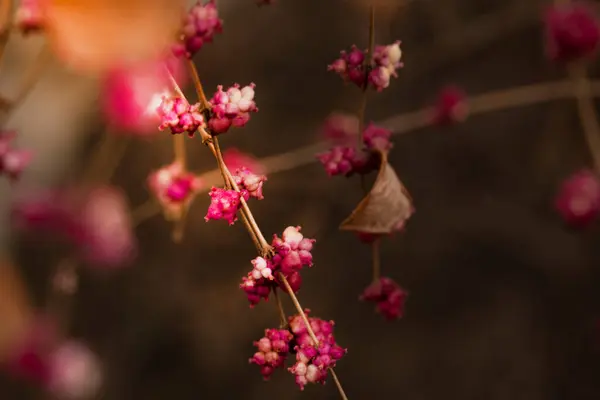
(587,112)
(198,84)
(282,318)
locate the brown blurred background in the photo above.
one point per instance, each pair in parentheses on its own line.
(503,298)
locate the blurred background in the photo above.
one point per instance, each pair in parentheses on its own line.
(503,298)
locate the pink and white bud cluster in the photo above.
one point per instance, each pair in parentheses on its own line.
(201,24)
(347,160)
(12,161)
(450,107)
(231,107)
(249,181)
(179,116)
(28,16)
(292,253)
(96,221)
(314,359)
(572,32)
(388,296)
(224,204)
(578,199)
(273,350)
(384,65)
(173,187)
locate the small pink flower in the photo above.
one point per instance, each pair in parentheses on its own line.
(12,161)
(235,159)
(224,204)
(272,351)
(231,108)
(174,188)
(250,182)
(132,94)
(389,297)
(350,66)
(341,128)
(377,138)
(28,16)
(179,116)
(201,24)
(450,107)
(292,250)
(572,32)
(578,200)
(75,371)
(338,160)
(256,289)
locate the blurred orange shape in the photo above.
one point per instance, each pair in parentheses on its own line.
(94,35)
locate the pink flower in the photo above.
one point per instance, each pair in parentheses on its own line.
(572,32)
(578,200)
(200,26)
(174,188)
(235,159)
(12,161)
(231,108)
(75,371)
(179,116)
(377,138)
(133,93)
(224,204)
(350,66)
(250,182)
(341,128)
(450,107)
(272,351)
(388,296)
(28,16)
(339,160)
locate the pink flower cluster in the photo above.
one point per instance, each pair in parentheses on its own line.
(348,160)
(292,253)
(96,221)
(578,200)
(273,350)
(12,161)
(388,296)
(572,32)
(450,107)
(352,66)
(179,116)
(67,369)
(231,107)
(312,359)
(250,182)
(28,16)
(200,26)
(173,187)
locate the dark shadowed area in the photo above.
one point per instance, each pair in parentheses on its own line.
(503,298)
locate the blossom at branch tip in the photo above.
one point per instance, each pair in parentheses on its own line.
(578,199)
(388,296)
(252,183)
(450,107)
(231,107)
(132,94)
(272,351)
(174,188)
(377,138)
(200,25)
(572,32)
(382,67)
(312,359)
(224,204)
(179,116)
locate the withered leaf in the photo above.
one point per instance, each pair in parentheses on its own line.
(387,206)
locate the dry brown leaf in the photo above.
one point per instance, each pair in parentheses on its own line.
(387,206)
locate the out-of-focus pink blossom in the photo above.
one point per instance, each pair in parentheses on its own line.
(451,106)
(174,188)
(572,32)
(12,161)
(201,24)
(132,94)
(377,138)
(236,159)
(578,200)
(388,296)
(28,16)
(341,128)
(75,371)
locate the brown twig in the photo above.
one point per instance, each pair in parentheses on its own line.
(282,318)
(587,112)
(5,25)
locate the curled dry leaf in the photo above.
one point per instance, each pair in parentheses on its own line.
(94,35)
(385,209)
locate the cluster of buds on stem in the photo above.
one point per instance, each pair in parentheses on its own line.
(174,188)
(388,296)
(179,116)
(201,24)
(231,107)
